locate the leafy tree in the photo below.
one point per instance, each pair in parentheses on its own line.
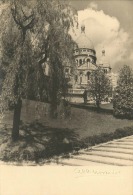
(123,97)
(57,47)
(35,33)
(99,86)
(17,59)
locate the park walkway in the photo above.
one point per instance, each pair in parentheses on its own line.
(118,153)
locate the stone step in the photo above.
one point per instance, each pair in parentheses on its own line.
(129,138)
(118,146)
(78,162)
(109,154)
(123,139)
(104,160)
(119,150)
(124,143)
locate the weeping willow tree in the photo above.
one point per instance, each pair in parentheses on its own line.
(35,33)
(57,47)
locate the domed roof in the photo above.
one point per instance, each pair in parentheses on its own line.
(83,41)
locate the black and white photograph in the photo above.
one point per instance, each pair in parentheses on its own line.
(66,85)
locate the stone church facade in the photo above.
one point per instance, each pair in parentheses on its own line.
(86,62)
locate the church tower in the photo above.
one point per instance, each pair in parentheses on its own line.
(104,62)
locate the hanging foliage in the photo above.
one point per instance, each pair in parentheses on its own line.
(35,33)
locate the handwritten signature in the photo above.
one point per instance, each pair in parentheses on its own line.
(86,171)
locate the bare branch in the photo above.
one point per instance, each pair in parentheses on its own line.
(25,23)
(14,14)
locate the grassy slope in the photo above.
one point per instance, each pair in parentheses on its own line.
(84,122)
(45,140)
(87,123)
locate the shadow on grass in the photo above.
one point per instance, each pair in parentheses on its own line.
(92,108)
(40,143)
(37,142)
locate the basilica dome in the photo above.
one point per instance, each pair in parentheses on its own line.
(83,41)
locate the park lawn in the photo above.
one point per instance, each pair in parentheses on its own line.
(46,138)
(88,123)
(83,121)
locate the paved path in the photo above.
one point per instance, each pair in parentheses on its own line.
(118,152)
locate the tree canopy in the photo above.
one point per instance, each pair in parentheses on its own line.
(123,97)
(99,86)
(35,33)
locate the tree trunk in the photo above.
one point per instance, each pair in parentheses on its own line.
(53,97)
(53,112)
(85,97)
(98,104)
(16,120)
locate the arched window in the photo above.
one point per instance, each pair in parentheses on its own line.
(88,75)
(76,78)
(80,62)
(88,60)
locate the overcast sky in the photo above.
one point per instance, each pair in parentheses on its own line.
(109,24)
